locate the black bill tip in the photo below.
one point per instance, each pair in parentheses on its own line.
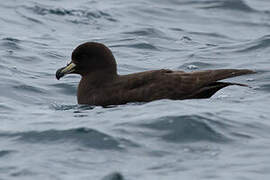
(59,73)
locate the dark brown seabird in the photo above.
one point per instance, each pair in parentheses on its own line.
(101,85)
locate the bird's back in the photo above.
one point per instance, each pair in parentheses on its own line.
(161,84)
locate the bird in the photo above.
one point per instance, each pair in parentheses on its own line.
(101,85)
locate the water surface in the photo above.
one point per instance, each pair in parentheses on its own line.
(44,133)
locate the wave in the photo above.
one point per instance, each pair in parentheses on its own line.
(193,128)
(29,88)
(149,33)
(6,152)
(238,5)
(11,43)
(83,136)
(94,14)
(186,129)
(199,65)
(69,89)
(142,45)
(257,44)
(260,44)
(77,107)
(114,176)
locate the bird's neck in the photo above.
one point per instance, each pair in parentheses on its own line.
(97,78)
(94,81)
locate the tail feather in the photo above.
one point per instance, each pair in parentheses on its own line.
(203,78)
(211,89)
(219,74)
(207,82)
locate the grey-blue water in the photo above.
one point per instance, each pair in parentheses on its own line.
(44,134)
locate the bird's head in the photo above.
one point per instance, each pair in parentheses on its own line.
(87,58)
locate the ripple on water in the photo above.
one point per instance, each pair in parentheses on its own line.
(4,153)
(21,173)
(11,43)
(142,45)
(77,107)
(148,32)
(80,13)
(187,129)
(29,89)
(114,176)
(199,65)
(255,45)
(83,136)
(69,89)
(236,5)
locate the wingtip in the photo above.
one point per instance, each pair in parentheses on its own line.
(249,71)
(239,72)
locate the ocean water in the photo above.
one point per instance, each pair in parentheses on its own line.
(44,134)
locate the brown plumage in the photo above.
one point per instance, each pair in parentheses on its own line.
(101,85)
